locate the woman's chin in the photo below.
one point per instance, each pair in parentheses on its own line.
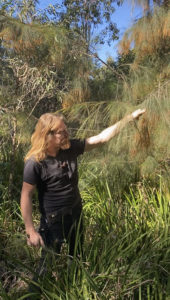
(65,145)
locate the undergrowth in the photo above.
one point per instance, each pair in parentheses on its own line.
(126,249)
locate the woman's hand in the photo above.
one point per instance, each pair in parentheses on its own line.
(137,113)
(35,239)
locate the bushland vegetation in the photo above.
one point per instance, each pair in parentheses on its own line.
(48,63)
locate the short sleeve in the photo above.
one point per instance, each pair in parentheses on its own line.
(78,146)
(31,172)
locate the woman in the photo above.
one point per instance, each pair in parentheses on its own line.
(51,167)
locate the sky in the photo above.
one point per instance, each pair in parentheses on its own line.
(123,16)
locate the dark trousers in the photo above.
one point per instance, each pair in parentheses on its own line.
(66,228)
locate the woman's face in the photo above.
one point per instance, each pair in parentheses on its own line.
(59,137)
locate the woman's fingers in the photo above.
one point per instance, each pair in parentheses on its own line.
(28,242)
(42,242)
(35,240)
(137,113)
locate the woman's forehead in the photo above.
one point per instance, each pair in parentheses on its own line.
(59,125)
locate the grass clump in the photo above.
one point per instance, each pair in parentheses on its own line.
(126,250)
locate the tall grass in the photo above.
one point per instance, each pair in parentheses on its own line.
(126,249)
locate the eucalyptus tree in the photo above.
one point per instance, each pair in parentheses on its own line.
(84,16)
(25,10)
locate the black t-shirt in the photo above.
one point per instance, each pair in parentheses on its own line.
(56,178)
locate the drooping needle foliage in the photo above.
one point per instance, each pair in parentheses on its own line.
(47,63)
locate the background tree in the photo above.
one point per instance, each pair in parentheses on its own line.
(24,10)
(84,18)
(147,5)
(150,36)
(40,64)
(140,76)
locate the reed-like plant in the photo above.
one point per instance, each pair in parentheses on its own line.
(126,249)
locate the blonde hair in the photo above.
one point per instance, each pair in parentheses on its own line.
(40,138)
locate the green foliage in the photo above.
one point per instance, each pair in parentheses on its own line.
(106,81)
(126,249)
(44,67)
(24,10)
(39,63)
(138,144)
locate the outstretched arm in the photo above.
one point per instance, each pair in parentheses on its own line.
(33,237)
(111,131)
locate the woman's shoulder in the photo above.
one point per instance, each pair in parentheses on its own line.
(77,146)
(31,161)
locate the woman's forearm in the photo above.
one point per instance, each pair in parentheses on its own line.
(26,210)
(113,130)
(33,237)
